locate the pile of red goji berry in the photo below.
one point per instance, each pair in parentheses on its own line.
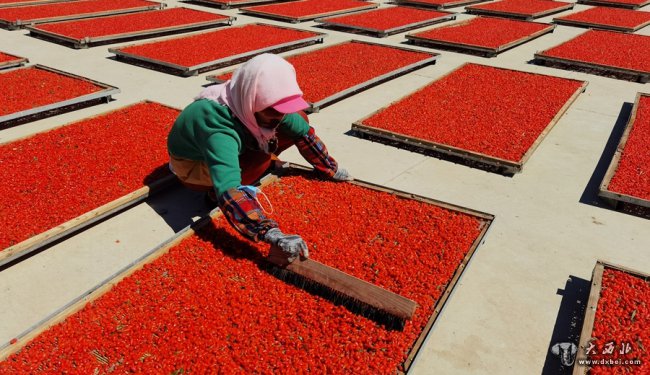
(497,112)
(521,7)
(620,50)
(632,176)
(386,18)
(5,58)
(327,71)
(202,48)
(63,173)
(608,16)
(33,12)
(207,306)
(307,8)
(622,325)
(128,23)
(484,32)
(34,87)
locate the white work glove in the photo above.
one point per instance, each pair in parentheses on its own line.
(291,244)
(342,175)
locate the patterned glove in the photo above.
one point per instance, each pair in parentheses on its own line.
(292,244)
(342,174)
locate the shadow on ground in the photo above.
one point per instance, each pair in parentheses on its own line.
(179,207)
(568,323)
(590,194)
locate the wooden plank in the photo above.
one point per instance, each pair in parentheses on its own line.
(347,285)
(71,226)
(499,13)
(19,61)
(604,191)
(613,4)
(607,69)
(591,25)
(103,287)
(308,17)
(232,4)
(592,307)
(460,47)
(450,4)
(590,317)
(383,33)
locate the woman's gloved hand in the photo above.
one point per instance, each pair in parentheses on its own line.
(342,174)
(292,244)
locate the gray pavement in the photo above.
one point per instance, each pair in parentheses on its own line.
(502,315)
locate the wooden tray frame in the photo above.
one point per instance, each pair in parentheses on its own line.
(592,306)
(234,4)
(106,94)
(195,69)
(611,197)
(542,59)
(84,220)
(613,4)
(384,33)
(27,3)
(317,106)
(489,52)
(526,17)
(508,166)
(591,25)
(310,17)
(15,25)
(449,4)
(19,61)
(87,41)
(98,290)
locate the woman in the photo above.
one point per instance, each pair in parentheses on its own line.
(228,137)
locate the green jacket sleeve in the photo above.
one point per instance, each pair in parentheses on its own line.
(222,157)
(294,126)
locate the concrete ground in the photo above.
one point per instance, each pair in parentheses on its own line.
(507,309)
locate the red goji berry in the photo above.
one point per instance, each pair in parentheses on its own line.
(207,304)
(129,23)
(312,8)
(493,111)
(32,12)
(197,49)
(608,48)
(327,71)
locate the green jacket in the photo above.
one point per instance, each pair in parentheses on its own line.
(209,132)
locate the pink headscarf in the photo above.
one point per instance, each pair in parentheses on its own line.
(258,84)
